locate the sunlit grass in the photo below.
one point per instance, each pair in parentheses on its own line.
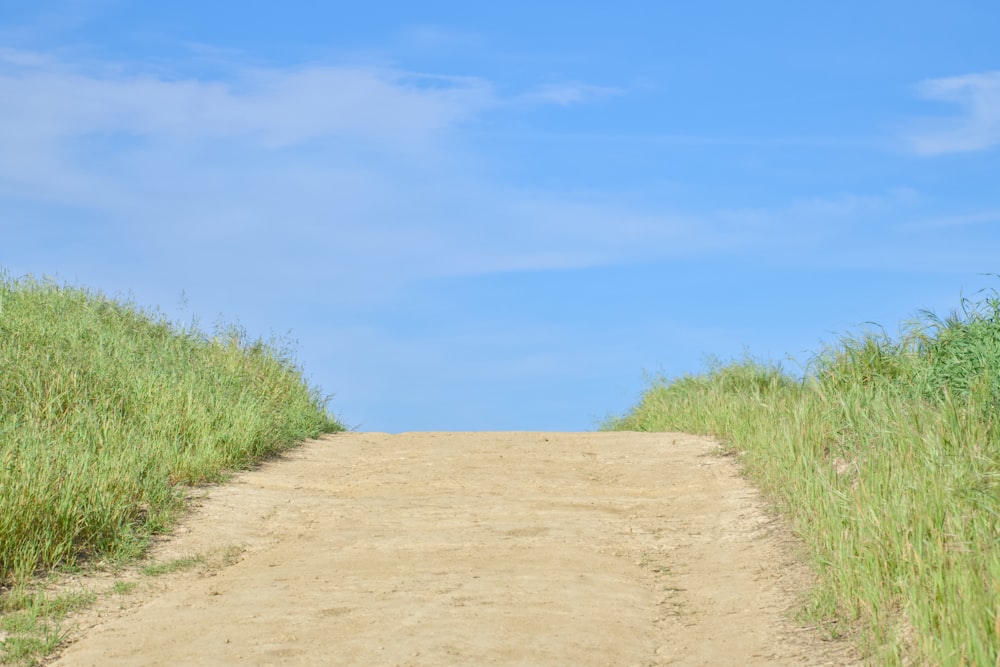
(31,623)
(887,458)
(177,565)
(107,411)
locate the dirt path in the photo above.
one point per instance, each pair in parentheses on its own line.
(472,549)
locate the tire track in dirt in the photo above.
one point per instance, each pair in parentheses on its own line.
(473,549)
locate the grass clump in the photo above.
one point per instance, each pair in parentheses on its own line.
(106,411)
(886,456)
(176,565)
(31,623)
(124,587)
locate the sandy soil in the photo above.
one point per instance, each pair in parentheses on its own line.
(471,549)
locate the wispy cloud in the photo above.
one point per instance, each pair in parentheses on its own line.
(977,128)
(299,162)
(955,221)
(273,107)
(566,94)
(332,175)
(428,37)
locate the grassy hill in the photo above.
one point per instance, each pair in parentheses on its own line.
(886,456)
(107,411)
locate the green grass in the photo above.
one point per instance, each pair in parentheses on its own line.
(176,565)
(107,411)
(32,623)
(886,456)
(124,587)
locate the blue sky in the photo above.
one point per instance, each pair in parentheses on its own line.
(501,215)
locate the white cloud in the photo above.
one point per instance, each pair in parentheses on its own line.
(338,176)
(976,129)
(849,204)
(349,157)
(566,94)
(426,37)
(955,221)
(272,107)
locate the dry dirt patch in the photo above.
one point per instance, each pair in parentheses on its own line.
(473,549)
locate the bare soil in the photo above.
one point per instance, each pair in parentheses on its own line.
(470,549)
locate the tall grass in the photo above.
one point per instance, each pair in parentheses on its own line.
(887,458)
(106,410)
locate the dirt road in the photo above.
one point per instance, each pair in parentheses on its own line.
(472,549)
